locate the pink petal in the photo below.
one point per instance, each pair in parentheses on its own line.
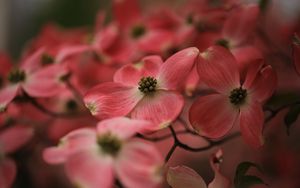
(264,85)
(69,51)
(251,124)
(45,82)
(175,70)
(213,115)
(218,69)
(162,108)
(131,74)
(111,100)
(89,170)
(7,94)
(123,127)
(78,140)
(33,62)
(241,23)
(106,37)
(139,165)
(219,181)
(8,172)
(11,139)
(155,41)
(183,177)
(126,12)
(252,71)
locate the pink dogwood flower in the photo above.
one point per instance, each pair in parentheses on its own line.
(94,157)
(183,177)
(236,100)
(31,77)
(144,91)
(11,139)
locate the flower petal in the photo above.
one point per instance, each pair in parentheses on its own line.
(139,165)
(7,94)
(33,62)
(252,71)
(131,74)
(183,177)
(89,170)
(213,115)
(161,108)
(264,85)
(78,140)
(11,139)
(69,51)
(218,69)
(241,23)
(251,124)
(45,82)
(112,99)
(126,12)
(123,127)
(8,172)
(175,70)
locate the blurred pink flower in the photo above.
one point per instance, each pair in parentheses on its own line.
(236,101)
(94,157)
(144,91)
(32,78)
(11,139)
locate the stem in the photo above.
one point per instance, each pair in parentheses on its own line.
(211,144)
(274,112)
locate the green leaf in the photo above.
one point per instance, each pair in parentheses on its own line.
(241,171)
(248,181)
(291,117)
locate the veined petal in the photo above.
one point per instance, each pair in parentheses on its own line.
(241,23)
(252,70)
(183,177)
(126,12)
(140,165)
(131,74)
(89,170)
(123,127)
(7,94)
(8,173)
(161,108)
(218,69)
(112,99)
(213,115)
(264,85)
(11,139)
(251,124)
(175,70)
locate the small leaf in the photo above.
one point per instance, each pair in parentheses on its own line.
(241,171)
(291,117)
(248,181)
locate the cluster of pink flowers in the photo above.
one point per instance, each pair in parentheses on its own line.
(100,95)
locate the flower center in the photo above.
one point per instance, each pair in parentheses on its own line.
(71,105)
(109,144)
(47,59)
(16,76)
(223,42)
(138,31)
(147,84)
(238,96)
